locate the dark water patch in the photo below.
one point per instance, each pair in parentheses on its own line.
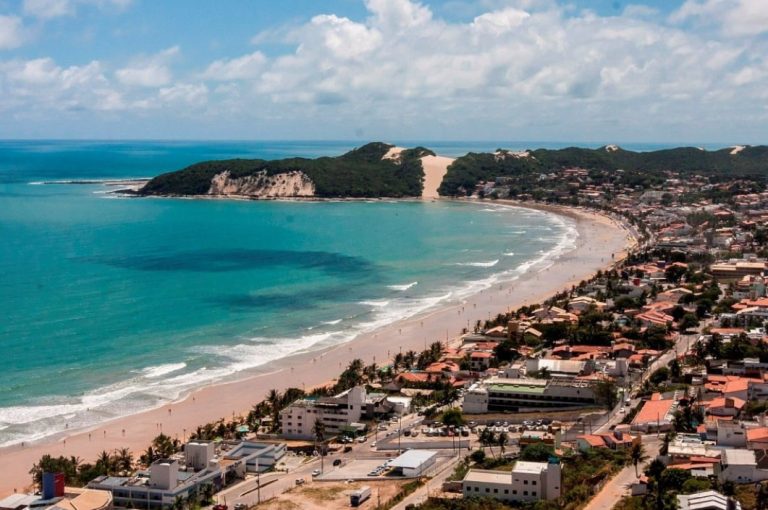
(221,261)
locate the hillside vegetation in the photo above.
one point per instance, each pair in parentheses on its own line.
(359,173)
(468,170)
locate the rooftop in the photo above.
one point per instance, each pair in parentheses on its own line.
(413,458)
(488,476)
(522,466)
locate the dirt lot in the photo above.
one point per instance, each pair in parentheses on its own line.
(331,496)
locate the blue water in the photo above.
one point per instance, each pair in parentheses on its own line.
(113,305)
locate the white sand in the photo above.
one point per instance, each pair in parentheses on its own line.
(435,168)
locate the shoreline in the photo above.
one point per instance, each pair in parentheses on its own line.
(599,237)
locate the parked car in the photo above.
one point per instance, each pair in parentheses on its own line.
(337,462)
(316,472)
(300,481)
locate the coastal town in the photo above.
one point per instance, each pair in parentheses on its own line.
(644,386)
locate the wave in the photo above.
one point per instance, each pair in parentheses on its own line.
(161,370)
(478,264)
(376,304)
(402,288)
(509,254)
(332,323)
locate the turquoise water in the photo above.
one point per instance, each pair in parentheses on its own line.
(112,305)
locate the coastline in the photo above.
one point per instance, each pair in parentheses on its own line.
(599,237)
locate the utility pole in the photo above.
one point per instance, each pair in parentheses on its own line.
(258,485)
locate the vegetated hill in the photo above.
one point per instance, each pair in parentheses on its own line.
(640,167)
(362,172)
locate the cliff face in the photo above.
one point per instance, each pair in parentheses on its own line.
(261,185)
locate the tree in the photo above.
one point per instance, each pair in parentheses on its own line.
(688,321)
(537,452)
(637,455)
(453,417)
(124,460)
(502,439)
(318,429)
(605,391)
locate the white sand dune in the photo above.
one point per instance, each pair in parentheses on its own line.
(435,168)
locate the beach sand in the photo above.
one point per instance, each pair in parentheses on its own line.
(599,237)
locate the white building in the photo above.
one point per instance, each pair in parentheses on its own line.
(707,500)
(336,413)
(499,395)
(414,463)
(528,481)
(739,466)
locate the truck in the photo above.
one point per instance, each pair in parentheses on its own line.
(358,497)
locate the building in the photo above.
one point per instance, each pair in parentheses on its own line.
(204,467)
(528,481)
(337,414)
(739,466)
(736,270)
(656,415)
(559,367)
(498,395)
(414,463)
(707,500)
(69,499)
(165,483)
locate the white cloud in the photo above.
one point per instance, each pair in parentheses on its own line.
(736,18)
(149,71)
(241,68)
(185,93)
(11,32)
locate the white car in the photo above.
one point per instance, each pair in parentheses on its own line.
(316,472)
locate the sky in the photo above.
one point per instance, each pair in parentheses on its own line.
(611,71)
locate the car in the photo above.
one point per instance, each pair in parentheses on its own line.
(316,472)
(337,462)
(373,473)
(362,439)
(300,481)
(241,506)
(220,507)
(373,445)
(622,410)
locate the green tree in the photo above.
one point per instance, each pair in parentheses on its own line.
(537,452)
(637,455)
(453,417)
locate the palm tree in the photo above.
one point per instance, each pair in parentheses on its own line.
(318,429)
(273,397)
(124,460)
(502,439)
(637,455)
(105,463)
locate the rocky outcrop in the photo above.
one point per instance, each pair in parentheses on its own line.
(261,185)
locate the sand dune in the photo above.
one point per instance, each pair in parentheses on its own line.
(435,168)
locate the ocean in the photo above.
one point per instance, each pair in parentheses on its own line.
(115,305)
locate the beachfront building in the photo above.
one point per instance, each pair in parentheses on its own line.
(204,466)
(55,496)
(338,414)
(499,395)
(528,481)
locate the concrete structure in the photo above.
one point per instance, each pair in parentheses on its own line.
(169,479)
(414,463)
(335,413)
(559,367)
(739,466)
(71,499)
(499,395)
(707,500)
(528,481)
(198,454)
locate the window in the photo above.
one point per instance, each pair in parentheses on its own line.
(525,482)
(533,482)
(506,491)
(533,493)
(495,491)
(514,491)
(477,489)
(525,493)
(487,489)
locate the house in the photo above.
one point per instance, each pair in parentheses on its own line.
(583,303)
(723,406)
(480,361)
(739,466)
(528,482)
(757,438)
(615,440)
(656,415)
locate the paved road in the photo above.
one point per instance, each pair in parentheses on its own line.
(619,485)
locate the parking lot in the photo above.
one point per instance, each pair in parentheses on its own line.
(352,470)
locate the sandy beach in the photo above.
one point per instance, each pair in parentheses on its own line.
(599,238)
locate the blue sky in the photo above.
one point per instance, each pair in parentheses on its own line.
(579,70)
